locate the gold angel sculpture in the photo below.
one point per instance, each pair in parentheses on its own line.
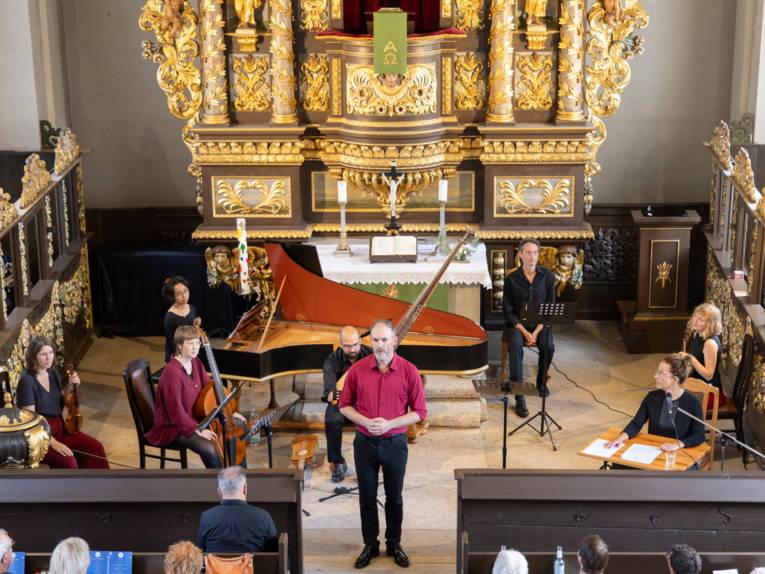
(536,10)
(245,11)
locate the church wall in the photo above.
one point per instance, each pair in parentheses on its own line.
(679,90)
(18,119)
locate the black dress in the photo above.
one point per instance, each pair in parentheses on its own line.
(172,322)
(697,350)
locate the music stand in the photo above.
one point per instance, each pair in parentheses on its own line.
(547,314)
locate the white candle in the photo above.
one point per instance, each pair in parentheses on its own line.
(342,192)
(244,268)
(443,190)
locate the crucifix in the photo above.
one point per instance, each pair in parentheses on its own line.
(392,179)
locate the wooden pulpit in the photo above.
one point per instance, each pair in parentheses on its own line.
(655,323)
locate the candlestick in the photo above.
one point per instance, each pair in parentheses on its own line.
(342,249)
(442,245)
(244,268)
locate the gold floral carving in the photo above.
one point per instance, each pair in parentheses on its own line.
(38,442)
(533,197)
(79,190)
(337,97)
(3,303)
(252,196)
(214,78)
(65,200)
(313,15)
(753,263)
(743,176)
(314,85)
(248,152)
(245,12)
(536,151)
(35,181)
(24,260)
(571,61)
(611,44)
(337,9)
(534,83)
(367,94)
(75,299)
(446,9)
(67,151)
(446,85)
(405,228)
(283,82)
(304,233)
(469,85)
(8,211)
(252,91)
(757,385)
(49,229)
(537,233)
(720,145)
(176,51)
(720,293)
(663,271)
(469,14)
(500,107)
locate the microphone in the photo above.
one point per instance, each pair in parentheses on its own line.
(670,406)
(634,389)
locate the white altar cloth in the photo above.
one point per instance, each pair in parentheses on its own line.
(358,269)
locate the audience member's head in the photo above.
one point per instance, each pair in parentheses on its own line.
(183,558)
(593,555)
(683,559)
(232,483)
(6,551)
(70,556)
(510,562)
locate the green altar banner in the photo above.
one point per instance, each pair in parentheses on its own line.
(390,42)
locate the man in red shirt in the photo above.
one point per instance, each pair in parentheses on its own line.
(383,395)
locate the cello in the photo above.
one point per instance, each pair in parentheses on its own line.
(229,438)
(73,420)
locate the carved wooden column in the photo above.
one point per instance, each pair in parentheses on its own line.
(571,63)
(501,62)
(284,106)
(214,83)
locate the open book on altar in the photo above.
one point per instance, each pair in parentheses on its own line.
(393,248)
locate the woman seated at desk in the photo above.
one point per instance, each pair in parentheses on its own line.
(670,376)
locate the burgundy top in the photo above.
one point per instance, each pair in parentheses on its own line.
(176,394)
(387,395)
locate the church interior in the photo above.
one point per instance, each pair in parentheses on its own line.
(474,178)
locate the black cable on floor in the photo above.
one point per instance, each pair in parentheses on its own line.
(578,386)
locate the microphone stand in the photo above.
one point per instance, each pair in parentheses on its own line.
(723,437)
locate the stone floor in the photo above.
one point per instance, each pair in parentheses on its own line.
(589,357)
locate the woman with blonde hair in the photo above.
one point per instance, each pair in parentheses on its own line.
(183,558)
(70,556)
(705,350)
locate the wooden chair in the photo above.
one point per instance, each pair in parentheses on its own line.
(734,408)
(699,387)
(140,393)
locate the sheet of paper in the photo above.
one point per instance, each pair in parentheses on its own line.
(641,453)
(731,571)
(598,448)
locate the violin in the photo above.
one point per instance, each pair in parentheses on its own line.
(73,419)
(213,393)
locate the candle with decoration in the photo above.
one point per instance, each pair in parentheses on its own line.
(244,268)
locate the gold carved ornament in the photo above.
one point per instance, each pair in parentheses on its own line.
(24,263)
(313,15)
(571,61)
(534,88)
(720,145)
(248,152)
(469,85)
(555,199)
(535,151)
(566,263)
(35,181)
(314,85)
(500,102)
(282,63)
(369,94)
(743,176)
(469,14)
(252,91)
(753,259)
(65,201)
(214,76)
(67,151)
(611,44)
(337,80)
(269,199)
(538,233)
(223,267)
(174,23)
(245,13)
(663,271)
(8,211)
(49,229)
(80,191)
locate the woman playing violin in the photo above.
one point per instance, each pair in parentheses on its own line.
(181,382)
(40,389)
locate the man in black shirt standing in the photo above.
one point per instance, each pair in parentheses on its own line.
(335,366)
(530,283)
(234,526)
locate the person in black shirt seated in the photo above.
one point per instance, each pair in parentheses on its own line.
(684,432)
(530,283)
(234,526)
(175,290)
(705,350)
(335,366)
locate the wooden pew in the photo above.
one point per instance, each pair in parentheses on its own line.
(153,562)
(143,511)
(635,512)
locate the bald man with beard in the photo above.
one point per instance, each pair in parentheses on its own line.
(335,366)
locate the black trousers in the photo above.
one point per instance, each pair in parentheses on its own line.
(205,448)
(545,346)
(371,453)
(333,429)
